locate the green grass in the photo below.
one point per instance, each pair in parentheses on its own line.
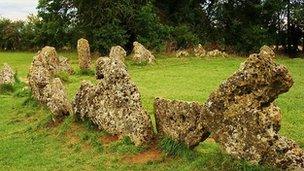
(28,140)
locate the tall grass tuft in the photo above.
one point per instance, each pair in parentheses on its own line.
(172,148)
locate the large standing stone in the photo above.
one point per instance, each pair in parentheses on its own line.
(117,52)
(44,87)
(114,104)
(243,118)
(142,55)
(7,75)
(199,51)
(180,121)
(84,55)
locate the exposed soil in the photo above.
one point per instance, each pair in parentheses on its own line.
(150,155)
(153,154)
(107,139)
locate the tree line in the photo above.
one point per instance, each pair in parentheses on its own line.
(241,26)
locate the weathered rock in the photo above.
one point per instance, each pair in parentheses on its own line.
(48,58)
(56,99)
(43,86)
(114,104)
(84,55)
(199,51)
(241,114)
(117,52)
(141,54)
(216,52)
(285,154)
(64,65)
(180,121)
(266,51)
(7,75)
(182,53)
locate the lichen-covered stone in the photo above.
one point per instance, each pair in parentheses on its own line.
(84,54)
(141,54)
(117,52)
(241,114)
(114,104)
(41,81)
(199,51)
(64,65)
(267,51)
(216,52)
(56,99)
(182,53)
(7,75)
(180,121)
(285,154)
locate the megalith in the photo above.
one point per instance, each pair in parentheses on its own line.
(84,54)
(114,104)
(141,54)
(7,75)
(117,52)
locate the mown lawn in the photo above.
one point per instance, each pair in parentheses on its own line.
(29,142)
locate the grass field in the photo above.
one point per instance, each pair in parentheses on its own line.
(29,142)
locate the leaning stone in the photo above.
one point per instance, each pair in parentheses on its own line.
(241,113)
(141,54)
(84,55)
(182,53)
(117,52)
(114,104)
(56,99)
(7,75)
(199,51)
(180,121)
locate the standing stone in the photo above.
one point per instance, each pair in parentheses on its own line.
(142,55)
(199,51)
(216,53)
(45,88)
(241,113)
(117,52)
(180,121)
(114,104)
(84,55)
(7,75)
(182,53)
(56,99)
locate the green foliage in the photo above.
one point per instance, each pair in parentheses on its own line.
(66,125)
(92,138)
(63,75)
(86,72)
(153,34)
(125,146)
(176,149)
(6,88)
(184,36)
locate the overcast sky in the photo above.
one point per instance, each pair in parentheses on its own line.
(17,9)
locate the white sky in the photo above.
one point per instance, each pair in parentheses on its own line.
(17,9)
